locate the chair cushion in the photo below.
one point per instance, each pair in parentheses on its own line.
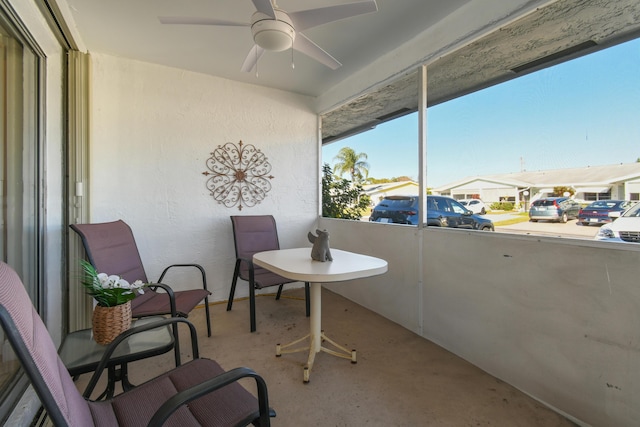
(230,405)
(112,249)
(42,352)
(254,233)
(157,303)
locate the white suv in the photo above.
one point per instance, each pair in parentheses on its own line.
(476,206)
(624,228)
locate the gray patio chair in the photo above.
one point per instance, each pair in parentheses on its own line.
(252,234)
(196,393)
(111,248)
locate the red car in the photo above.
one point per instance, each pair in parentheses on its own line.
(598,212)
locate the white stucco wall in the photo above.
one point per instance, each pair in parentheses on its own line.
(393,295)
(556,318)
(630,187)
(152,129)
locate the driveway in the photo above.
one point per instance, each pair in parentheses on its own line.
(544,228)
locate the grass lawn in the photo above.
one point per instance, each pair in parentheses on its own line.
(517,218)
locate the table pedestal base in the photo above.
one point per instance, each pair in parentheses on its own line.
(115,374)
(315,338)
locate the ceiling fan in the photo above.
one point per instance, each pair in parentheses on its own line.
(275,30)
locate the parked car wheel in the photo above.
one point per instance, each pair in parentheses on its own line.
(564,218)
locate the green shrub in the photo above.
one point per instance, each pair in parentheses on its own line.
(341,199)
(502,206)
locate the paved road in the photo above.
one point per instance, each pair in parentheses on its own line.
(570,229)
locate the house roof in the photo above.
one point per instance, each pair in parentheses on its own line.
(370,189)
(594,177)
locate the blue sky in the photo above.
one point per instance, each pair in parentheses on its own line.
(585,112)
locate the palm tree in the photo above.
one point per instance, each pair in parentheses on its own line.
(354,164)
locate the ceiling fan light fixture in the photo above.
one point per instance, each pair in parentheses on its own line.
(274,30)
(270,34)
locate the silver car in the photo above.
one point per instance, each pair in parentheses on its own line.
(558,209)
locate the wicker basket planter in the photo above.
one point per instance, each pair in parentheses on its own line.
(109,322)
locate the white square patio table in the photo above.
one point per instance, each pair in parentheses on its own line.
(297,264)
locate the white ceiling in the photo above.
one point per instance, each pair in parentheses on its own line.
(131,29)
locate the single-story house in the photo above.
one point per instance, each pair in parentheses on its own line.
(621,181)
(401,188)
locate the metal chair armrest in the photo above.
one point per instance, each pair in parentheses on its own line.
(172,297)
(126,334)
(198,266)
(186,396)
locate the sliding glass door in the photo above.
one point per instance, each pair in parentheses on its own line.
(20,172)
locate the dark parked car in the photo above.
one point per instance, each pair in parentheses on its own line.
(441,212)
(559,209)
(396,210)
(598,212)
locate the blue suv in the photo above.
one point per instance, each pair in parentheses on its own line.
(441,212)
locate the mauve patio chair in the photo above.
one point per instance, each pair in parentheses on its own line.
(196,393)
(111,249)
(252,234)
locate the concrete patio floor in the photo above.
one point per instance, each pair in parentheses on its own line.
(400,379)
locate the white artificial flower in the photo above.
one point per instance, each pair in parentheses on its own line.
(138,285)
(103,278)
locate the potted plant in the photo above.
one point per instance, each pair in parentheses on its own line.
(113,295)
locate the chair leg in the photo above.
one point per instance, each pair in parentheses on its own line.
(206,309)
(252,306)
(307,298)
(176,345)
(279,292)
(236,273)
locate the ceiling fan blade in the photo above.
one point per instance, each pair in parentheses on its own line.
(252,58)
(265,7)
(304,45)
(192,20)
(306,19)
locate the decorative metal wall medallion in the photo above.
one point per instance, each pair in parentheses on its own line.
(239,175)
